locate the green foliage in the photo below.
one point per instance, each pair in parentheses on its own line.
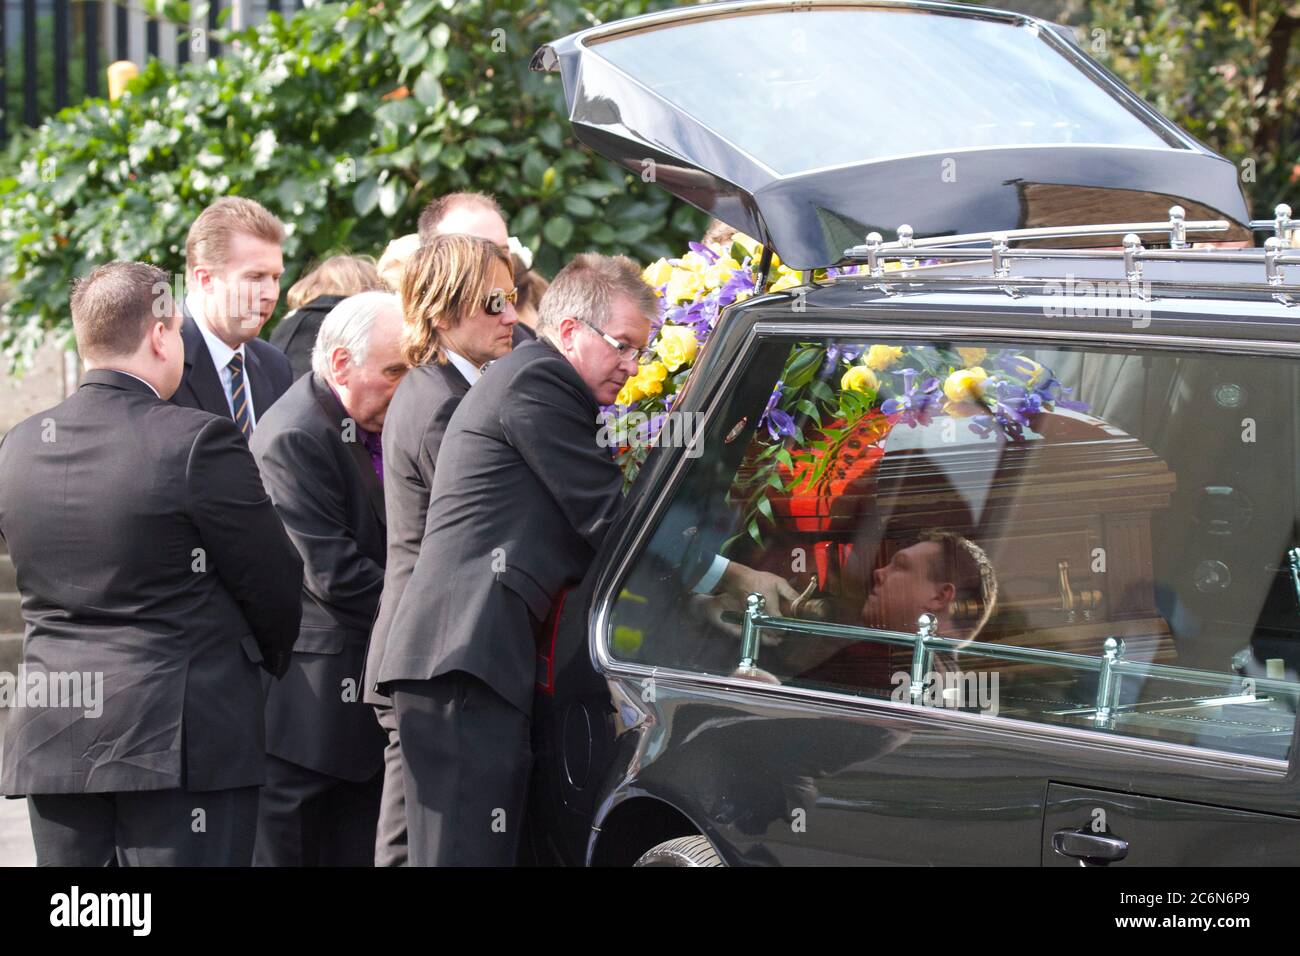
(344,121)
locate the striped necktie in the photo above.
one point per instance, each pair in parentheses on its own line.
(239,394)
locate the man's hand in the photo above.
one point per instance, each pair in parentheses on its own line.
(739,581)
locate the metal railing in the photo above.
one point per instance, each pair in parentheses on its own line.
(996,249)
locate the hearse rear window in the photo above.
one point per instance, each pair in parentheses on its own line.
(1101,539)
(815,84)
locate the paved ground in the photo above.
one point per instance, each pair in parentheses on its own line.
(15,833)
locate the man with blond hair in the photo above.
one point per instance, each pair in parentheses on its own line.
(233,266)
(153,566)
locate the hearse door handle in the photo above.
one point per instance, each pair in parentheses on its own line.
(1090,849)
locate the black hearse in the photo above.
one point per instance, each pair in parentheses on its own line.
(1085,477)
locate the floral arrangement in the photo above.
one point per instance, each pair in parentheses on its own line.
(832,408)
(693,290)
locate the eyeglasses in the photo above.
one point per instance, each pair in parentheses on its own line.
(497,299)
(624,350)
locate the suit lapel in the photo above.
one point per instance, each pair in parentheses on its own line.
(200,373)
(334,413)
(258,385)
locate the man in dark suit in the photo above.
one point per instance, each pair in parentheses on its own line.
(450,285)
(150,562)
(522,497)
(233,266)
(319,453)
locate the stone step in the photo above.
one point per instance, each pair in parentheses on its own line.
(11,652)
(8,577)
(11,615)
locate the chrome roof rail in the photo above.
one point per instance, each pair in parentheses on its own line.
(996,250)
(1176,226)
(1281,224)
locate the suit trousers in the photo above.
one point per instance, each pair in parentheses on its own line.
(390,838)
(308,818)
(467,756)
(145,827)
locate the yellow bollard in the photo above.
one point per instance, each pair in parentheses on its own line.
(119,74)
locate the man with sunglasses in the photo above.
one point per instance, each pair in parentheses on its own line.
(522,498)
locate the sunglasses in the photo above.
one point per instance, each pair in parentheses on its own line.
(497,299)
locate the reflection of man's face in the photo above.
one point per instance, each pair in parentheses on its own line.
(903,589)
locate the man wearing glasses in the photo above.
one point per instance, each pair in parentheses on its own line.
(522,498)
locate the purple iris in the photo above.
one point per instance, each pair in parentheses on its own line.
(780,424)
(705,251)
(918,403)
(742,280)
(834,352)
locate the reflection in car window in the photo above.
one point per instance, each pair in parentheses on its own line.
(969,84)
(1037,503)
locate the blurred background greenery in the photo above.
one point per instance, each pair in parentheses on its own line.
(346,118)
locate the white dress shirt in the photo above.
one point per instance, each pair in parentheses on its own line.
(221,355)
(468,369)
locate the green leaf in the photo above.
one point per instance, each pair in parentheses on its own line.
(577,206)
(391,196)
(765,508)
(366,196)
(752,528)
(440,36)
(534,169)
(415,12)
(428,90)
(558,230)
(411,49)
(821,390)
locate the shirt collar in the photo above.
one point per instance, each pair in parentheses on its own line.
(221,352)
(137,378)
(464,366)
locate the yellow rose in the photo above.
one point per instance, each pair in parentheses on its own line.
(658,273)
(652,379)
(860,379)
(970,357)
(754,249)
(881,357)
(677,346)
(965,385)
(788,279)
(718,273)
(684,286)
(693,262)
(630,393)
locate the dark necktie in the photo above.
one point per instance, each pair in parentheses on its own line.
(239,395)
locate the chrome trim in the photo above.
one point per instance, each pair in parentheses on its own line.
(1089,230)
(603,593)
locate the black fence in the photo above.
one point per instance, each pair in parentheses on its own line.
(55,52)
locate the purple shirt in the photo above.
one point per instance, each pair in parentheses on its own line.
(376,448)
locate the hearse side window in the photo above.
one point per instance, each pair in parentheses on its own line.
(1103,539)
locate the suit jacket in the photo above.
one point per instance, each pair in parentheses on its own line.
(147,551)
(522,497)
(326,492)
(295,336)
(413,431)
(265,367)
